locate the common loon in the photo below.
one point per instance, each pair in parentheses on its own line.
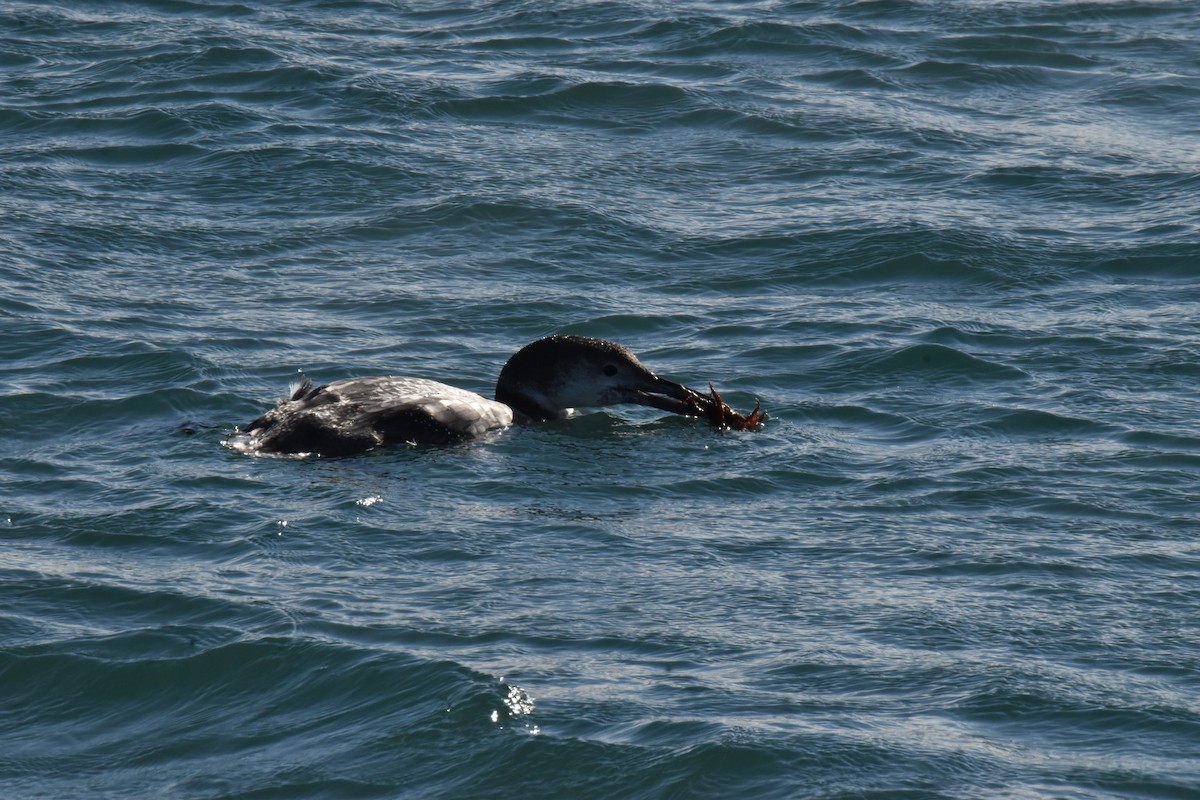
(542,381)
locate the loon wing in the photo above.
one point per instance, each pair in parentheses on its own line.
(354,415)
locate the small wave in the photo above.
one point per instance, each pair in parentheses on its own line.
(147,123)
(725,486)
(174,705)
(525,217)
(1066,16)
(871,424)
(854,79)
(826,41)
(16,61)
(589,102)
(876,257)
(936,361)
(525,44)
(744,122)
(966,74)
(206,9)
(132,155)
(1169,261)
(1166,443)
(1037,424)
(917,267)
(673,70)
(1005,340)
(1047,701)
(1155,95)
(1012,50)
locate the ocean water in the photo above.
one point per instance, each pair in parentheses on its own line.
(952,246)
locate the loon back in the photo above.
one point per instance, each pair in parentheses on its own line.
(358,414)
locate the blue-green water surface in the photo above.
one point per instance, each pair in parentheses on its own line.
(954,247)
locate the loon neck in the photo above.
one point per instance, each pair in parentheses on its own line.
(525,408)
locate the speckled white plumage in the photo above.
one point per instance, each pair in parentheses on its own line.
(464,412)
(361,413)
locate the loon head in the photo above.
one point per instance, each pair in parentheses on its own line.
(545,379)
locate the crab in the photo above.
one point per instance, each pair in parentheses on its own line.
(721,416)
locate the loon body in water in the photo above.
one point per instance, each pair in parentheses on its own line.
(542,381)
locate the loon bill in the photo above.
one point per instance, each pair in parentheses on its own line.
(542,381)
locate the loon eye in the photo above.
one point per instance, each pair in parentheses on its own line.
(610,370)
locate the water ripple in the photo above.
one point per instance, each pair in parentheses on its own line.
(950,247)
